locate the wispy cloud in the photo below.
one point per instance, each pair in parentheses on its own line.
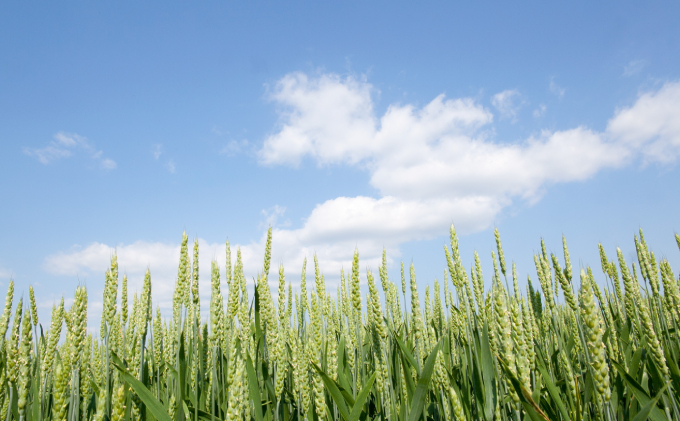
(508,103)
(157,151)
(64,145)
(234,147)
(272,216)
(557,89)
(634,67)
(108,164)
(540,111)
(218,131)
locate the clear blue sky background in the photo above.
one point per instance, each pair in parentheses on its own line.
(124,123)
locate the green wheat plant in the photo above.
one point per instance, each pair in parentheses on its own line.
(571,349)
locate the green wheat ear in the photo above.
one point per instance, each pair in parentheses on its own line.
(652,339)
(268,253)
(24,365)
(594,332)
(60,393)
(13,344)
(4,321)
(34,307)
(119,401)
(501,257)
(355,290)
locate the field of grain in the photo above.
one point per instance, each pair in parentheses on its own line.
(566,348)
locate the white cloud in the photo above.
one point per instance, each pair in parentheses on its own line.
(439,150)
(432,166)
(438,164)
(557,89)
(540,111)
(92,261)
(634,67)
(329,118)
(652,124)
(161,259)
(469,167)
(65,145)
(134,259)
(507,103)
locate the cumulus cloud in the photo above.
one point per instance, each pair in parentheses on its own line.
(507,103)
(64,145)
(651,125)
(440,156)
(431,166)
(439,164)
(328,118)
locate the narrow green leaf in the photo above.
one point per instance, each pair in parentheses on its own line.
(552,389)
(361,399)
(406,353)
(203,415)
(267,380)
(342,365)
(488,375)
(418,401)
(180,416)
(524,395)
(334,390)
(254,389)
(649,406)
(258,327)
(410,387)
(634,365)
(185,407)
(153,405)
(656,414)
(36,402)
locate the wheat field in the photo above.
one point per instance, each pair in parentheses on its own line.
(470,349)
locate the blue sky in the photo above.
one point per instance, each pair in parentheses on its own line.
(341,124)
